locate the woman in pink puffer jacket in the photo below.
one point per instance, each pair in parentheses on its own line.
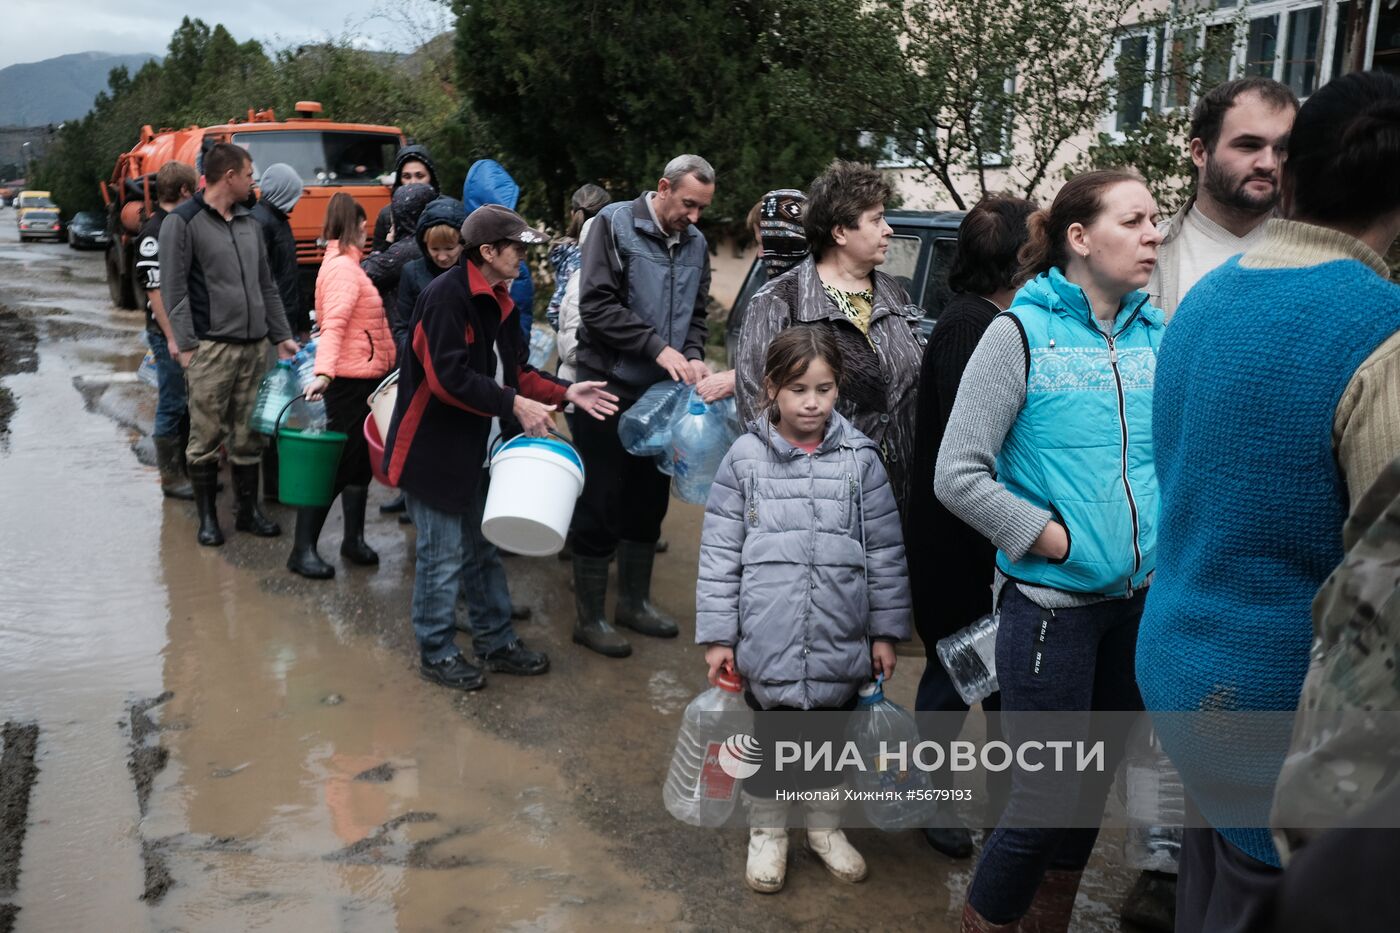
(354,352)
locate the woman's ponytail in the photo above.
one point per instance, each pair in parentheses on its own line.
(1079,202)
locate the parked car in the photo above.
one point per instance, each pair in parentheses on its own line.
(40,223)
(920,255)
(88,228)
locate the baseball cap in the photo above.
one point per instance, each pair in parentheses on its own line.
(492,222)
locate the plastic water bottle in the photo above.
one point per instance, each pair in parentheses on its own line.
(645,428)
(1155,803)
(312,414)
(970,657)
(714,744)
(542,341)
(699,440)
(879,728)
(278,388)
(146,372)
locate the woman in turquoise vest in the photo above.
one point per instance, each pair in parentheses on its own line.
(1048,453)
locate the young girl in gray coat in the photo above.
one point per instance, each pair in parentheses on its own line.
(803,588)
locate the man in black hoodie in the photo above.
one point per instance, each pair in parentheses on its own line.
(412,166)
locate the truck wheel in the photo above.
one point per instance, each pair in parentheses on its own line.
(119,283)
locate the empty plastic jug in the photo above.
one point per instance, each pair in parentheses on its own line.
(645,428)
(278,388)
(714,750)
(699,440)
(970,657)
(881,729)
(309,416)
(542,342)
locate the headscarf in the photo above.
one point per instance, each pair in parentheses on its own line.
(780,226)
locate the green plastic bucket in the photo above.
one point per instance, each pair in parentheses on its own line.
(306,464)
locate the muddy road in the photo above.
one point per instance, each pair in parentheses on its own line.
(196,740)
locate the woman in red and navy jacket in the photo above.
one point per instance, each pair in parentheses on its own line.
(450,388)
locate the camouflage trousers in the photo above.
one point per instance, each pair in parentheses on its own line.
(223,383)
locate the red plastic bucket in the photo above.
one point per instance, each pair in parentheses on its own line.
(376,451)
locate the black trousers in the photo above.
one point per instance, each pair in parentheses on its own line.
(347,404)
(624,497)
(1220,889)
(790,724)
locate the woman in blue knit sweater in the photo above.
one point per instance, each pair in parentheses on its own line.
(1048,454)
(1275,408)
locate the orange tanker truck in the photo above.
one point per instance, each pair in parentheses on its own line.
(353,157)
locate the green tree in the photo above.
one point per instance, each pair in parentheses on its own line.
(572,91)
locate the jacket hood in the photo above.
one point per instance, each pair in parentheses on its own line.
(1053,292)
(442,212)
(415,154)
(408,204)
(281,186)
(489,183)
(839,433)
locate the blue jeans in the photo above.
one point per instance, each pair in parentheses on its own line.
(453,555)
(172,401)
(1084,660)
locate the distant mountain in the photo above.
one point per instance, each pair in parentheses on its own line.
(58,89)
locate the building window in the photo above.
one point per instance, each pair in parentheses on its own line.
(1303,50)
(1219,54)
(1262,48)
(1339,38)
(1386,56)
(1132,81)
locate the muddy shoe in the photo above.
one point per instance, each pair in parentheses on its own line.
(590,594)
(634,606)
(169,460)
(828,843)
(516,659)
(954,841)
(455,672)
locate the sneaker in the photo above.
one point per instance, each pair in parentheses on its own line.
(515,658)
(455,672)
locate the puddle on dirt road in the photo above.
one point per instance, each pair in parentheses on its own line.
(305,780)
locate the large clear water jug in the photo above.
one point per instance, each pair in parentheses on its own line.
(714,745)
(645,428)
(885,734)
(278,388)
(970,657)
(699,440)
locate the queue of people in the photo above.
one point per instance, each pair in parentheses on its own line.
(1095,444)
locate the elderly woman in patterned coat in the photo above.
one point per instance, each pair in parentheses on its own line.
(871,316)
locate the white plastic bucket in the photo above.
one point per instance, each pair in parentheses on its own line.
(535,482)
(381,402)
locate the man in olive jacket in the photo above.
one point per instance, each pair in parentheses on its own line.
(644,281)
(223,303)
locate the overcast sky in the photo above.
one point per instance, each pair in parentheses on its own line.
(32,30)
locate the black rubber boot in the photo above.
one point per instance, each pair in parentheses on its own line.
(353,546)
(169,458)
(304,560)
(204,480)
(249,517)
(590,598)
(634,608)
(270,472)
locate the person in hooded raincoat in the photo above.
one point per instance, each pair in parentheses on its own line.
(412,166)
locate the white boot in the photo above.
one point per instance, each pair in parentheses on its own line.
(828,843)
(768,844)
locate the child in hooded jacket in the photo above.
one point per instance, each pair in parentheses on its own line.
(802,587)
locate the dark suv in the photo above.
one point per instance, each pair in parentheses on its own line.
(921,253)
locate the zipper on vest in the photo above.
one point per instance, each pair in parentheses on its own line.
(1123,430)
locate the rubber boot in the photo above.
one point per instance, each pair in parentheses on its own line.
(304,559)
(172,479)
(1053,904)
(270,478)
(249,517)
(829,843)
(973,922)
(1151,904)
(204,480)
(353,500)
(768,844)
(590,597)
(634,608)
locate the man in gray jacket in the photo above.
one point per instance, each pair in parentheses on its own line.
(223,303)
(644,281)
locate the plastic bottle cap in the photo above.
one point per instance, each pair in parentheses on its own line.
(729,681)
(871,693)
(697,406)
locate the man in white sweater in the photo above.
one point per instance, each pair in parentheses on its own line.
(1239,137)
